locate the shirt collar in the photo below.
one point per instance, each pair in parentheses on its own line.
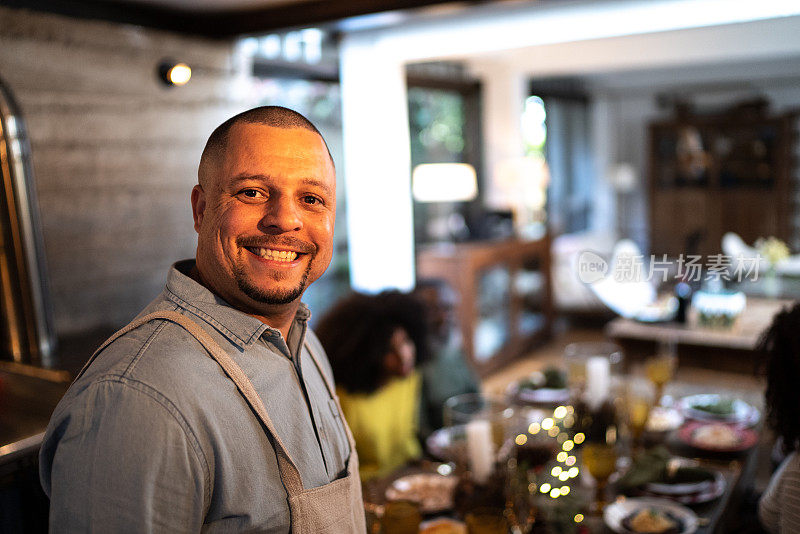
(240,328)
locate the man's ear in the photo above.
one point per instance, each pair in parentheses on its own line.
(198,206)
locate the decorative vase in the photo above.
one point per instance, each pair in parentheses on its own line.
(772,286)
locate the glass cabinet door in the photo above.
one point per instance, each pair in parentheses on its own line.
(493,312)
(530,287)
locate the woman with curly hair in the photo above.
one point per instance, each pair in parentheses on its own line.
(779,507)
(374,343)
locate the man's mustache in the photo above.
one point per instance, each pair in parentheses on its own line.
(293,243)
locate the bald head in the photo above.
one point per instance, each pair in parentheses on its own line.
(275,116)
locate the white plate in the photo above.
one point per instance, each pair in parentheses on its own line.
(538,396)
(619,510)
(743,413)
(714,490)
(665,489)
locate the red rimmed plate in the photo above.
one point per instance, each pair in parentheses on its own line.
(718,437)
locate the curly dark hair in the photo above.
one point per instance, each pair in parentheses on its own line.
(356,334)
(781,344)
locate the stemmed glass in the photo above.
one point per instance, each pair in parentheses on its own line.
(639,399)
(600,450)
(661,367)
(461,409)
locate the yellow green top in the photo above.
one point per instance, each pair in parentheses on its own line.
(384,425)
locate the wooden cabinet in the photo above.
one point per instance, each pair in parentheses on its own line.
(712,174)
(505,295)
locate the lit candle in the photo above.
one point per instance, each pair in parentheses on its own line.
(598,380)
(480,449)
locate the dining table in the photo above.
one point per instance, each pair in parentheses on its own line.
(736,468)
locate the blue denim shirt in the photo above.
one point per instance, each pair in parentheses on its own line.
(155,438)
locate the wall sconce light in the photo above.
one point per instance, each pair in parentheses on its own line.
(174,73)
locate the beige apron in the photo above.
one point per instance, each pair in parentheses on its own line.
(336,507)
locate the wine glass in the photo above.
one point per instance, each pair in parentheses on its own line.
(639,399)
(601,461)
(600,449)
(467,407)
(660,368)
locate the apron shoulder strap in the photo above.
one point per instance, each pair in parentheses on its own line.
(289,473)
(136,323)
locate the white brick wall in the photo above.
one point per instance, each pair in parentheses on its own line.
(115,152)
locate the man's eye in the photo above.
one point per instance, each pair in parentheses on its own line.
(309,199)
(251,193)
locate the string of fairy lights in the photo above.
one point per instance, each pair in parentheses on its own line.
(562,475)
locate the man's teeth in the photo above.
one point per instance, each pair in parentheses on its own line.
(276,255)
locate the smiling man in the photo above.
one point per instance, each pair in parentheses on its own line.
(214,410)
(264,211)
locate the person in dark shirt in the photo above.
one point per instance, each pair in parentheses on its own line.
(447,373)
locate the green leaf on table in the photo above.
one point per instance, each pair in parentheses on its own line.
(650,466)
(720,407)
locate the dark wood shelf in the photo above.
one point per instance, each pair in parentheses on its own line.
(465,266)
(712,174)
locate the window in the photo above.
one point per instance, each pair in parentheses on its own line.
(565,143)
(444,127)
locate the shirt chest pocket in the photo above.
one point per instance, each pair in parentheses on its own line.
(338,433)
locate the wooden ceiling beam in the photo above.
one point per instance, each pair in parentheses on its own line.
(220,24)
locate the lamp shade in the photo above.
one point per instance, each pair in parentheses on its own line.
(444,182)
(623,177)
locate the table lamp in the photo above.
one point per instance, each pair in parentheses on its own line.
(520,184)
(439,183)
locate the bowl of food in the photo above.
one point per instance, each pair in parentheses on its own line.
(715,407)
(718,437)
(662,419)
(652,520)
(433,492)
(646,515)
